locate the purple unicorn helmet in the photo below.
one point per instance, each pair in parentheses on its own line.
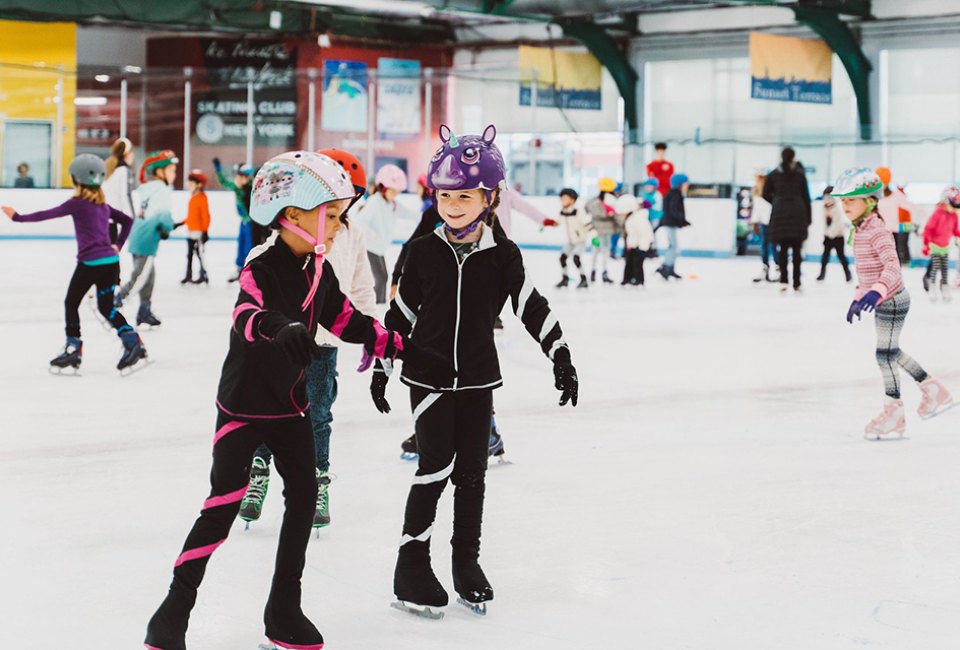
(467,162)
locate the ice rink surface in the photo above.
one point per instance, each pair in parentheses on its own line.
(711,491)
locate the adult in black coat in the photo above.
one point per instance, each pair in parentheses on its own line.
(787,191)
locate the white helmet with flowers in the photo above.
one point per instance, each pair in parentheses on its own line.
(859,182)
(304,180)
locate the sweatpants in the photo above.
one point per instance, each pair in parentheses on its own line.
(233,445)
(142,266)
(890,317)
(378,264)
(938,264)
(453,433)
(796,247)
(104,278)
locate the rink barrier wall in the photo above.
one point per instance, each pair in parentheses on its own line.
(712,233)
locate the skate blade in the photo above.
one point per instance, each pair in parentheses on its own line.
(501,461)
(943,409)
(69,371)
(480,609)
(881,437)
(267,646)
(137,367)
(422,611)
(409,456)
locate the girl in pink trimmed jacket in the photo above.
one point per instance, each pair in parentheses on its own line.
(880,288)
(938,234)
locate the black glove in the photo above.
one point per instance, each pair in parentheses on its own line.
(164,234)
(565,377)
(437,370)
(378,388)
(295,341)
(205,237)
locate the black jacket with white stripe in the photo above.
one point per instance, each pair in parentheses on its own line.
(449,306)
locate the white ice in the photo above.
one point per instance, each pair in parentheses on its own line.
(712,490)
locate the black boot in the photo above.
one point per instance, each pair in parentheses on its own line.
(593,276)
(469,581)
(564,282)
(167,629)
(823,273)
(663,273)
(673,274)
(583,282)
(413,578)
(846,272)
(147,317)
(606,278)
(286,624)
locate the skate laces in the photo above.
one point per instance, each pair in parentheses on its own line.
(323,483)
(257,488)
(888,410)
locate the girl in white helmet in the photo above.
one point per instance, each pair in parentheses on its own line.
(880,288)
(285,292)
(377,218)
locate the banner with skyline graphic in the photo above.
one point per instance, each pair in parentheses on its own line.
(787,69)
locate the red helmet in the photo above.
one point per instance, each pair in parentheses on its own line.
(352,165)
(197,176)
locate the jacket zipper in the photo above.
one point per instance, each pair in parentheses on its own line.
(456,329)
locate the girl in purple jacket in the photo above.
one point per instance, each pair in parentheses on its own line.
(98,260)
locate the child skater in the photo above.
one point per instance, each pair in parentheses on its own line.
(348,258)
(880,287)
(834,233)
(98,261)
(285,292)
(674,218)
(455,281)
(241,187)
(938,233)
(198,224)
(153,224)
(639,237)
(579,228)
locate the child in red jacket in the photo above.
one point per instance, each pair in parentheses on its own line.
(938,234)
(198,225)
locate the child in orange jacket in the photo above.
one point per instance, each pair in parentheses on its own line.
(198,223)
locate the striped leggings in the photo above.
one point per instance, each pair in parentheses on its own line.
(890,317)
(453,432)
(938,263)
(291,441)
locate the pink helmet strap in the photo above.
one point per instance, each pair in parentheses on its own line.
(319,249)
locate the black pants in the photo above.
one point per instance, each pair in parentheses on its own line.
(902,240)
(453,432)
(834,244)
(378,265)
(84,277)
(794,245)
(195,248)
(291,441)
(633,266)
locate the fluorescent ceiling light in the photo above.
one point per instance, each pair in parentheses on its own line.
(133,69)
(90,101)
(102,78)
(387,6)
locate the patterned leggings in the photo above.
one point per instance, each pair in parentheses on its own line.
(938,263)
(891,314)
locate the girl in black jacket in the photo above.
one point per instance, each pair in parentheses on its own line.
(787,191)
(455,281)
(285,292)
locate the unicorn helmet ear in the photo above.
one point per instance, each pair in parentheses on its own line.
(489,134)
(445,133)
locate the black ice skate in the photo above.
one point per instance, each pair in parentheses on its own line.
(167,629)
(409,447)
(564,283)
(470,583)
(606,278)
(415,585)
(252,503)
(321,517)
(147,317)
(288,627)
(134,355)
(203,279)
(69,358)
(583,282)
(673,274)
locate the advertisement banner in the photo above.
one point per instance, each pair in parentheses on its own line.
(788,69)
(220,112)
(344,104)
(568,80)
(398,99)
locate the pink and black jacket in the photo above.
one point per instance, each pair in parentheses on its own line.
(258,380)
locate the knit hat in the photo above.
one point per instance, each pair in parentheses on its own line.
(651,182)
(677,180)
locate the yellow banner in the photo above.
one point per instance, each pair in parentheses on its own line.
(564,79)
(790,69)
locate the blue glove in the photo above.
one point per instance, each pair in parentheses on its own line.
(216,164)
(866,304)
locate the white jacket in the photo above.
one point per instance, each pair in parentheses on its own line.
(348,257)
(839,226)
(376,218)
(118,190)
(760,213)
(578,224)
(638,230)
